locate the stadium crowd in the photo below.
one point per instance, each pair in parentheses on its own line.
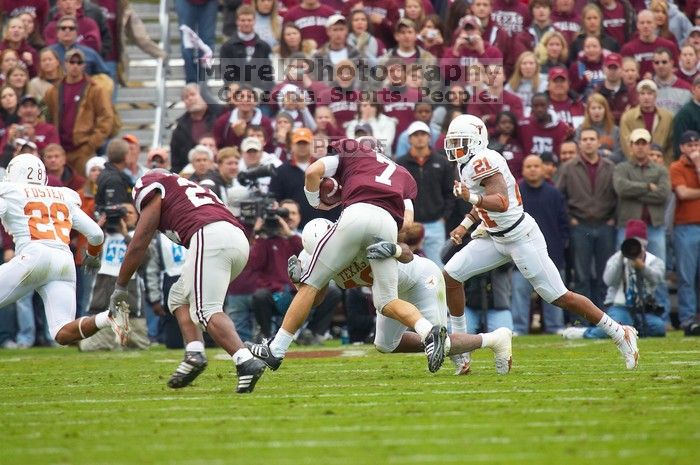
(595,106)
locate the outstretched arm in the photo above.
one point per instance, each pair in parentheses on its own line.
(495,198)
(138,247)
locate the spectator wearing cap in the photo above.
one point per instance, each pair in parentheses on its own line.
(342,97)
(565,104)
(113,185)
(246,50)
(618,19)
(158,157)
(198,120)
(688,64)
(497,37)
(16,38)
(541,132)
(310,16)
(694,37)
(230,126)
(566,19)
(133,168)
(84,114)
(495,99)
(382,126)
(68,39)
(647,115)
(513,16)
(672,92)
(547,206)
(252,156)
(30,127)
(435,177)
(587,185)
(55,162)
(469,48)
(202,161)
(631,283)
(288,181)
(620,97)
(647,41)
(643,189)
(423,112)
(336,49)
(685,180)
(688,117)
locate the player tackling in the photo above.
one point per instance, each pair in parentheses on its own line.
(40,218)
(507,233)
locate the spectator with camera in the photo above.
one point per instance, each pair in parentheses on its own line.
(643,189)
(255,161)
(30,127)
(114,185)
(632,275)
(685,179)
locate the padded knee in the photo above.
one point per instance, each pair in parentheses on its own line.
(384,348)
(177,297)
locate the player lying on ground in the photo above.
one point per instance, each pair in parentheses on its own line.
(217,250)
(39,218)
(420,282)
(510,234)
(376,196)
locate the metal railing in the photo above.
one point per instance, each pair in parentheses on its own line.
(161,73)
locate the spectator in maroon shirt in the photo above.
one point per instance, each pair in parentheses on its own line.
(511,15)
(541,133)
(551,52)
(586,69)
(592,25)
(495,99)
(16,38)
(496,36)
(38,9)
(430,37)
(566,20)
(383,15)
(619,96)
(506,141)
(469,49)
(565,105)
(541,12)
(55,161)
(310,17)
(618,19)
(230,126)
(30,126)
(397,99)
(342,98)
(688,64)
(300,73)
(642,47)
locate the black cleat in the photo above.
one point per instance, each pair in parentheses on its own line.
(435,347)
(191,366)
(248,374)
(262,351)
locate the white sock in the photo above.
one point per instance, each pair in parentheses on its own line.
(281,343)
(241,356)
(423,328)
(448,345)
(458,324)
(195,346)
(102,319)
(486,339)
(611,327)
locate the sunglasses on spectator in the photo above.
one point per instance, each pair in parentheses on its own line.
(640,142)
(76,62)
(660,62)
(67,28)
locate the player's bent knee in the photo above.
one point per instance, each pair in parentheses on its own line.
(380,302)
(450,282)
(383,348)
(562,300)
(202,316)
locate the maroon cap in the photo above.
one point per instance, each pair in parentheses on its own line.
(613,59)
(556,72)
(636,229)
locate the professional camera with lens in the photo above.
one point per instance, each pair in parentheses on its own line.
(259,205)
(631,248)
(114,215)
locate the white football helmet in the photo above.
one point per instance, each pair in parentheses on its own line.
(313,232)
(466,136)
(26,169)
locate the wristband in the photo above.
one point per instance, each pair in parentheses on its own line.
(474,199)
(314,198)
(117,287)
(467,222)
(398,252)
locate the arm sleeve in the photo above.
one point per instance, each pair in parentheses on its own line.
(663,191)
(152,274)
(655,271)
(84,225)
(330,164)
(3,206)
(612,276)
(626,188)
(408,204)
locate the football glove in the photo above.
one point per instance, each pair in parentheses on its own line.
(383,249)
(294,269)
(91,263)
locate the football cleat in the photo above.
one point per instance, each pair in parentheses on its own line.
(119,321)
(435,347)
(628,347)
(249,372)
(263,352)
(191,366)
(462,362)
(503,350)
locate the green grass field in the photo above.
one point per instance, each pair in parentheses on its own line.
(563,403)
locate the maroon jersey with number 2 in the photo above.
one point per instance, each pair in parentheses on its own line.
(186,206)
(368,176)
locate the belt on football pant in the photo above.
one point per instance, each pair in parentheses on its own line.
(512,227)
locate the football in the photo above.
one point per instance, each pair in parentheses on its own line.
(330,191)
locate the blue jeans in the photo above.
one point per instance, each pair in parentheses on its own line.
(26,334)
(240,309)
(202,20)
(520,307)
(494,319)
(655,325)
(592,245)
(112,68)
(686,243)
(434,240)
(657,247)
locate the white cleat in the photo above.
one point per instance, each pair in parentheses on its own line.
(119,321)
(628,347)
(462,362)
(503,350)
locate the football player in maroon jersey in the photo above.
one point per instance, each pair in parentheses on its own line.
(192,216)
(377,199)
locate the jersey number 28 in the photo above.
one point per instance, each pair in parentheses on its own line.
(48,222)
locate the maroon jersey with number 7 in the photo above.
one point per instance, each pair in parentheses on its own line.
(186,206)
(368,176)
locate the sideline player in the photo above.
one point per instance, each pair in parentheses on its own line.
(192,216)
(510,234)
(377,198)
(421,283)
(39,218)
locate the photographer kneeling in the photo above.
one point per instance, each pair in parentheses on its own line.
(632,275)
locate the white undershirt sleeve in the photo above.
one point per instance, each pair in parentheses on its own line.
(408,204)
(330,163)
(86,226)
